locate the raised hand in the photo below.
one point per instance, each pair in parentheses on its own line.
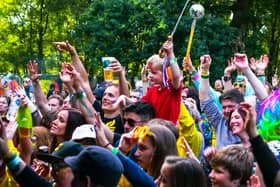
(121,101)
(254,181)
(231,67)
(250,119)
(32,67)
(168,47)
(144,72)
(241,61)
(205,62)
(22,95)
(127,142)
(116,66)
(65,46)
(208,153)
(188,149)
(261,65)
(187,64)
(65,74)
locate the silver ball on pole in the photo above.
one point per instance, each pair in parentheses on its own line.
(197,11)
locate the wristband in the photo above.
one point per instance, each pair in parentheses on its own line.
(261,78)
(204,73)
(14,163)
(204,76)
(172,61)
(80,95)
(115,150)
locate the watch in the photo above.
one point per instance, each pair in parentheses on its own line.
(227,78)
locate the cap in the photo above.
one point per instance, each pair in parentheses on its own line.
(84,131)
(99,164)
(67,148)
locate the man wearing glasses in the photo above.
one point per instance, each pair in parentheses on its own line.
(135,114)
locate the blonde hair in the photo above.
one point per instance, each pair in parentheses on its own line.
(155,61)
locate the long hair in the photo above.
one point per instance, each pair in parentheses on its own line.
(164,143)
(75,119)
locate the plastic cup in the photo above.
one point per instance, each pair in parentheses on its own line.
(108,75)
(107,72)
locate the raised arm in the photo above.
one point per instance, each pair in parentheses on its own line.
(74,82)
(117,68)
(241,62)
(188,65)
(40,97)
(204,87)
(77,63)
(175,70)
(267,162)
(227,75)
(259,66)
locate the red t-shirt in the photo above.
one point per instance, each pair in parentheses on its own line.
(166,102)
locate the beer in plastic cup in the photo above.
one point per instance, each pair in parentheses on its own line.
(107,72)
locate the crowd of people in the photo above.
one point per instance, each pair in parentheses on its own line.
(162,133)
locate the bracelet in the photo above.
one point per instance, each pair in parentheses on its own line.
(173,61)
(106,145)
(115,150)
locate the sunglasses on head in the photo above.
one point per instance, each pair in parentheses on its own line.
(131,122)
(239,84)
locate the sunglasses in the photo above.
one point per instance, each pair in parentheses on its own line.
(239,84)
(131,122)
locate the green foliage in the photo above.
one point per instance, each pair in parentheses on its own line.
(124,29)
(133,30)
